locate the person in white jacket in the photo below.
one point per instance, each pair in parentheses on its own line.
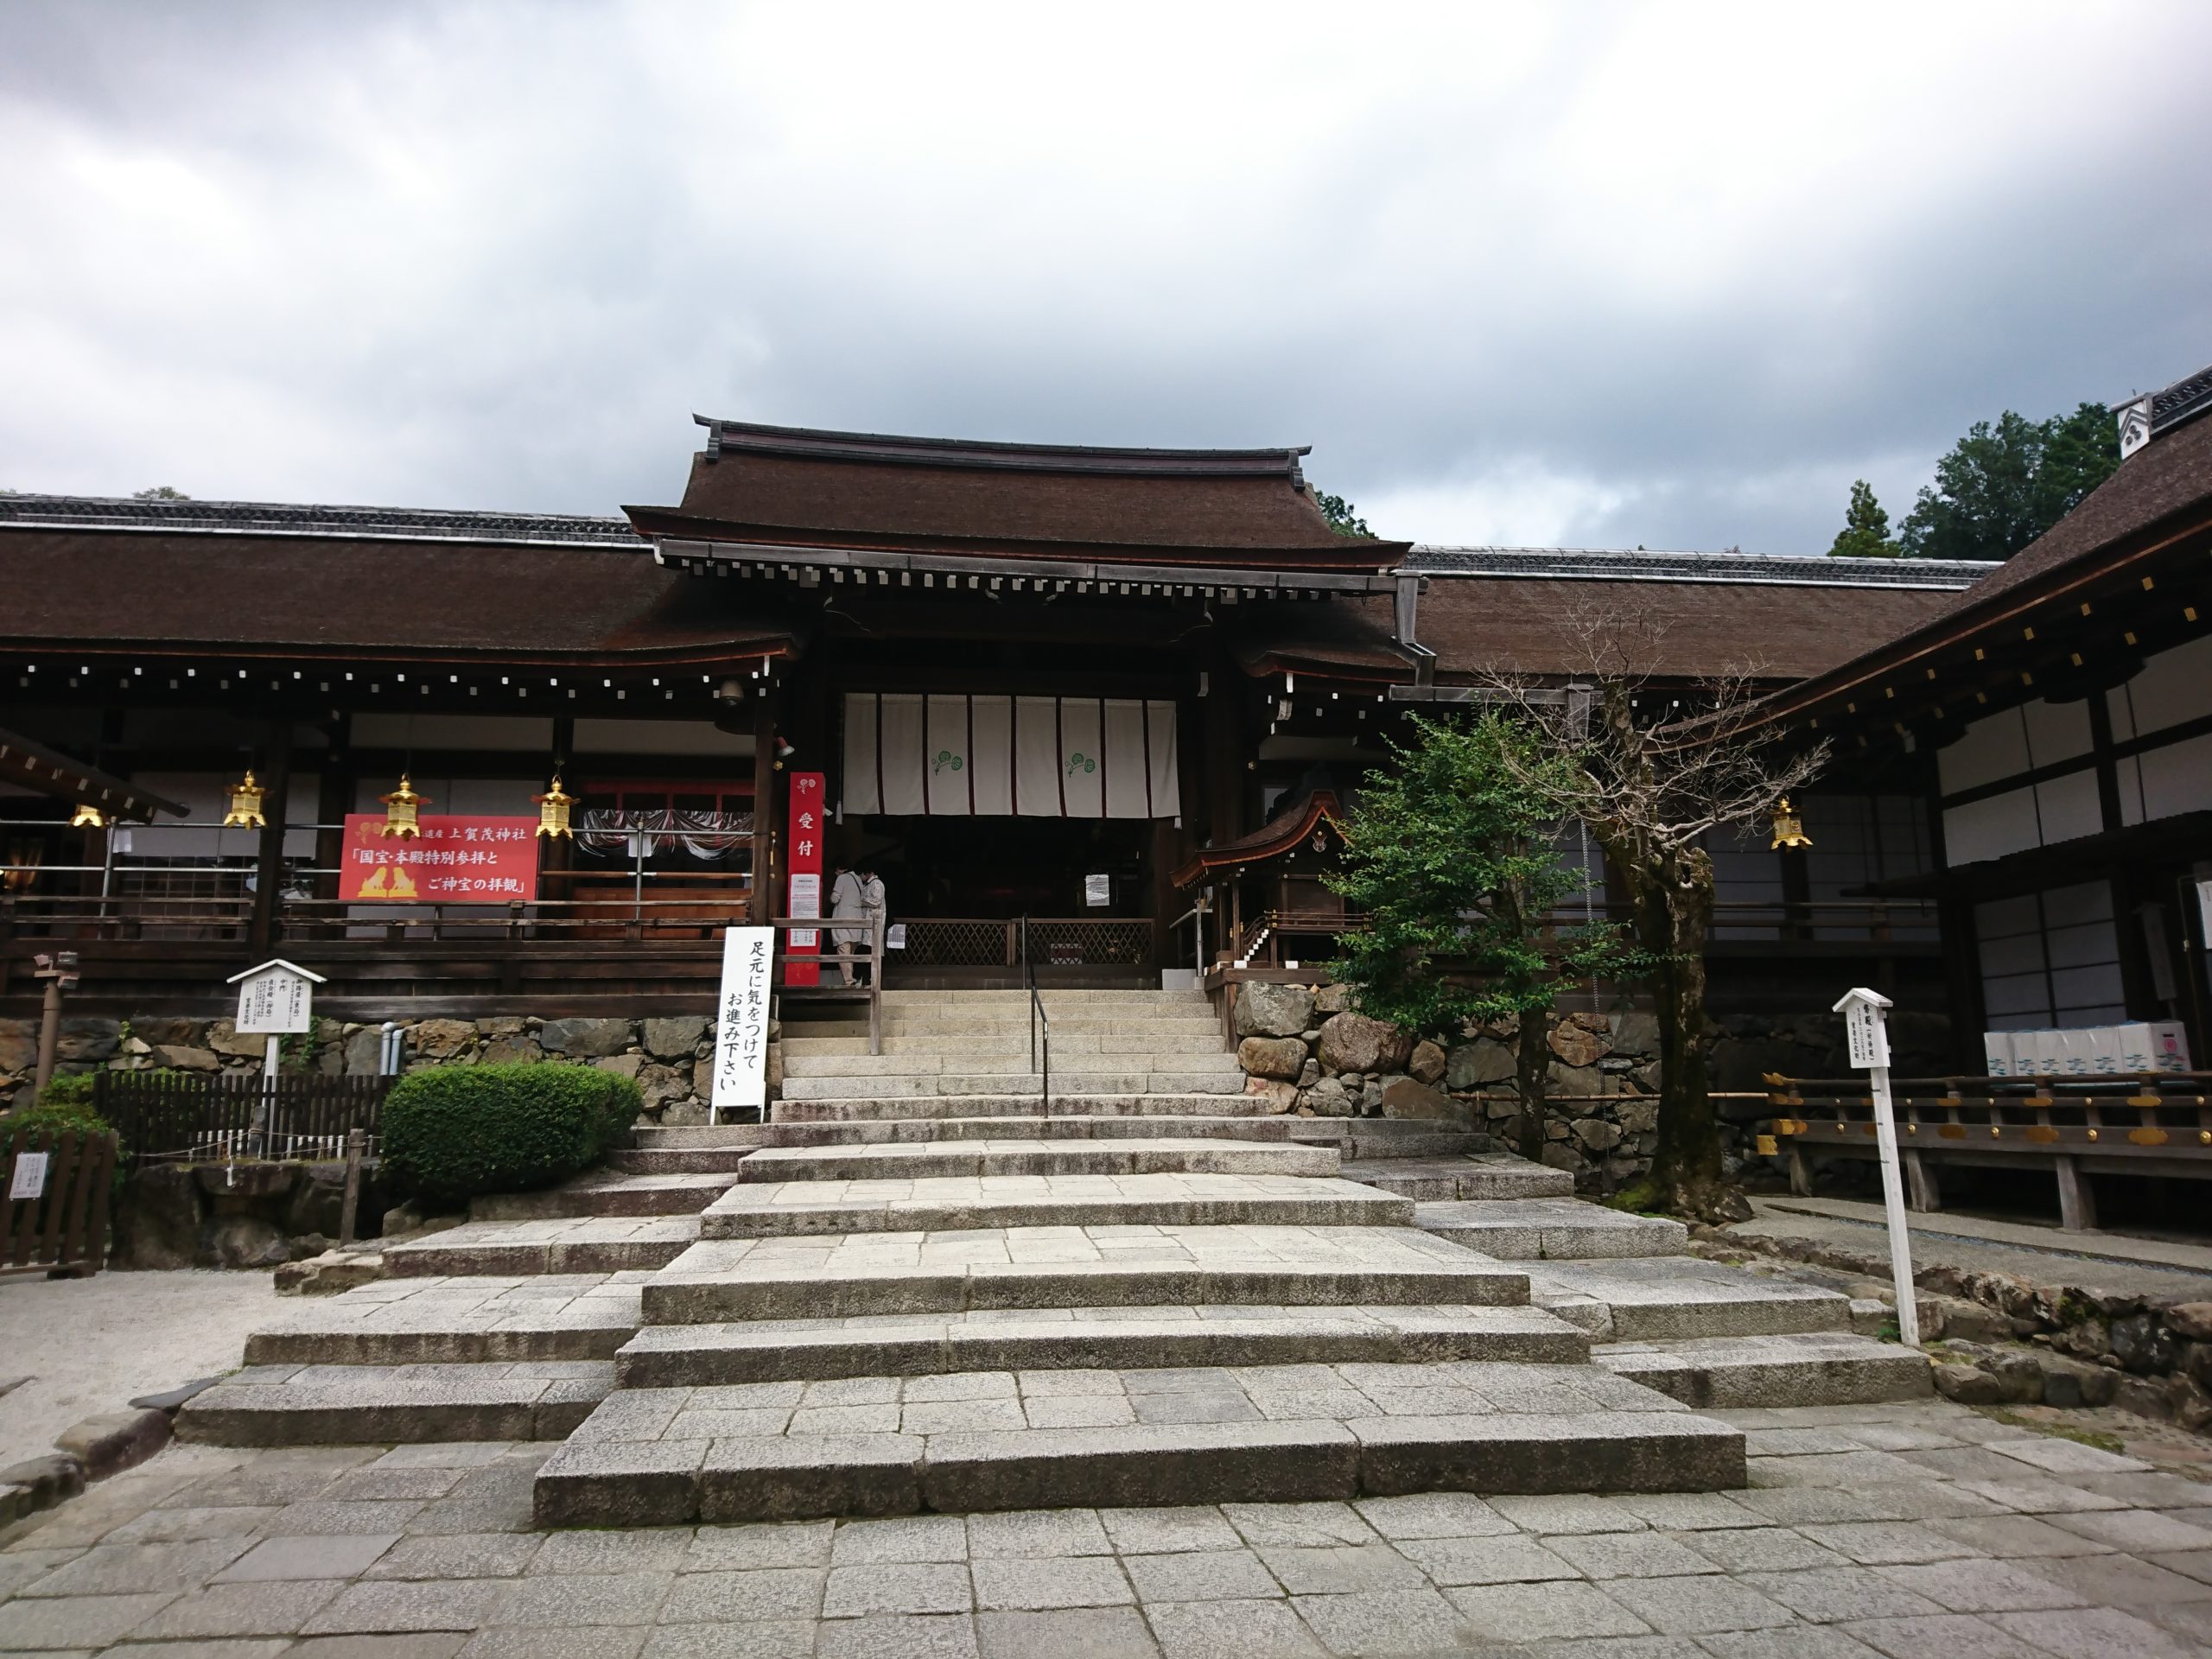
(854,896)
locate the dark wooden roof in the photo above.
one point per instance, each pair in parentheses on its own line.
(165,590)
(1280,834)
(779,486)
(1525,625)
(49,772)
(2147,523)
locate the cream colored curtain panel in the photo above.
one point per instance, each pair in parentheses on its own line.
(962,756)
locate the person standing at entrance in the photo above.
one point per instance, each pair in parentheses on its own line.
(856,895)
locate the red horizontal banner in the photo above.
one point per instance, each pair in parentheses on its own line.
(456,859)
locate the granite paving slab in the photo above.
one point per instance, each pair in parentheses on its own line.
(998,1440)
(1088,1337)
(750,1211)
(1436,1180)
(1032,1155)
(457,1320)
(1657,1298)
(1821,1368)
(326,1405)
(573,1244)
(1528,1229)
(1000,1102)
(604,1193)
(1174,1079)
(924,1271)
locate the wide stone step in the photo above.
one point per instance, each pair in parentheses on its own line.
(1078,1338)
(1671,1298)
(973,1062)
(604,1194)
(1733,1373)
(996,1103)
(1531,1230)
(1197,1036)
(437,1320)
(572,1244)
(1498,1175)
(879,1275)
(1054,1000)
(742,1135)
(1071,1127)
(1209,1080)
(362,1405)
(1008,1156)
(683,1160)
(928,1206)
(964,1441)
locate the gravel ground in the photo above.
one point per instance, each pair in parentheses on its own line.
(91,1345)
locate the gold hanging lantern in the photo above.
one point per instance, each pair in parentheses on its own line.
(88,816)
(553,808)
(1789,829)
(245,805)
(403,811)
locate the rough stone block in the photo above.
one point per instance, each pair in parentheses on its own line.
(622,1484)
(1149,1465)
(810,1475)
(114,1441)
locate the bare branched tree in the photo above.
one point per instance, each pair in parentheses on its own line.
(1653,776)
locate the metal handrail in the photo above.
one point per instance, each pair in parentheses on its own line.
(1036,1014)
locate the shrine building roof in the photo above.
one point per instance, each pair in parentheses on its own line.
(788,491)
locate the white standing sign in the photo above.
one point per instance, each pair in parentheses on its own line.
(741,1021)
(29,1179)
(1867,1032)
(276,999)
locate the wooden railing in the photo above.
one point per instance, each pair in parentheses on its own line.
(183,1117)
(1275,938)
(2134,1123)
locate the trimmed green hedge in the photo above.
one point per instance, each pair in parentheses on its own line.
(452,1132)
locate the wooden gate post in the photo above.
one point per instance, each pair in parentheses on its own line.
(348,1213)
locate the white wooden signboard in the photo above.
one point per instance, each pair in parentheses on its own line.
(741,1020)
(30,1179)
(1866,1030)
(276,999)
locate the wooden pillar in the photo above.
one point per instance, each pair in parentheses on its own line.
(2077,1204)
(765,804)
(1923,1192)
(333,800)
(269,862)
(1228,751)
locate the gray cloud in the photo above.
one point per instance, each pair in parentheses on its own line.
(1597,277)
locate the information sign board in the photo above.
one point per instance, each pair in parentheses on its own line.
(741,1020)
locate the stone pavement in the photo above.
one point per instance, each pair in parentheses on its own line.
(2111,1262)
(1915,1531)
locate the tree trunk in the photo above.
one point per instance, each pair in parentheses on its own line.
(1674,912)
(1530,1065)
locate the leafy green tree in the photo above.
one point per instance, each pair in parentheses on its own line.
(1451,859)
(160,492)
(2003,485)
(1865,533)
(1341,516)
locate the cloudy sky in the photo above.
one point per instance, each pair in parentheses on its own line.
(1585,275)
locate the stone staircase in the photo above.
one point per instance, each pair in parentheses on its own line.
(919,1287)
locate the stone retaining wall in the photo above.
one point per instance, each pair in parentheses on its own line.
(1312,1053)
(671,1057)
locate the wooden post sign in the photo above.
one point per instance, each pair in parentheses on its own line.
(276,999)
(1866,1032)
(742,1022)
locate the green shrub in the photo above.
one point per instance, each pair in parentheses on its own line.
(67,1103)
(454,1132)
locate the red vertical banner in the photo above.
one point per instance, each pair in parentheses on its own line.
(804,861)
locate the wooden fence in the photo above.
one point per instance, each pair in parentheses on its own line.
(64,1228)
(203,1119)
